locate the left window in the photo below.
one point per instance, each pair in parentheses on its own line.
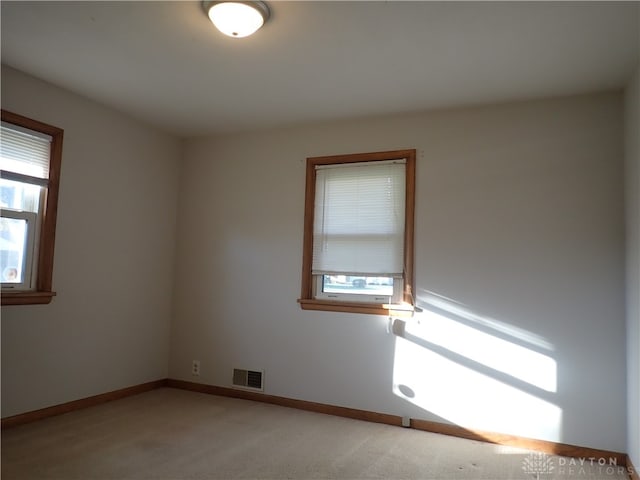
(30,158)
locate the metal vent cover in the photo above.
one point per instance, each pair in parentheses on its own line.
(248,379)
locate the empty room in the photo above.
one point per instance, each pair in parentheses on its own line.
(349,240)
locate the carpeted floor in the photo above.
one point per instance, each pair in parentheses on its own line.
(172,434)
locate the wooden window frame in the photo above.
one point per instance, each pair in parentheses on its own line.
(43,293)
(307,300)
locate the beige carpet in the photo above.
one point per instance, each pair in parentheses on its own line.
(173,434)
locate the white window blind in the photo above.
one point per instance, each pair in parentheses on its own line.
(24,152)
(359,219)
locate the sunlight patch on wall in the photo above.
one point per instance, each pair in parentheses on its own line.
(468,398)
(433,300)
(475,371)
(515,360)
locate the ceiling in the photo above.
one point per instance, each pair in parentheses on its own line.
(165,64)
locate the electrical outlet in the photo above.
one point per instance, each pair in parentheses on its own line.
(195,368)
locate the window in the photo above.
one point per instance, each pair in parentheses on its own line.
(358,232)
(30,155)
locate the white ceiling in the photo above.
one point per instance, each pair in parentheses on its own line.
(165,63)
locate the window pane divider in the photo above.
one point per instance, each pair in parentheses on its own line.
(22,178)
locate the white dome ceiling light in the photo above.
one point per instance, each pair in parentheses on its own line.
(237,19)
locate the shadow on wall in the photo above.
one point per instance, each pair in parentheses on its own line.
(482,373)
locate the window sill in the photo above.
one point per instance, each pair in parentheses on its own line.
(352,307)
(27,298)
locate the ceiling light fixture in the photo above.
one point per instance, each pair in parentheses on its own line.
(237,19)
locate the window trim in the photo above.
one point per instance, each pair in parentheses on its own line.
(307,300)
(42,293)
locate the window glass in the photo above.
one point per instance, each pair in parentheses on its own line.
(19,196)
(358,284)
(13,245)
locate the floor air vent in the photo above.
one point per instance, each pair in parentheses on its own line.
(249,379)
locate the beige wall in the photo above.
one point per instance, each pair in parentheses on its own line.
(632,177)
(108,327)
(519,234)
(519,241)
